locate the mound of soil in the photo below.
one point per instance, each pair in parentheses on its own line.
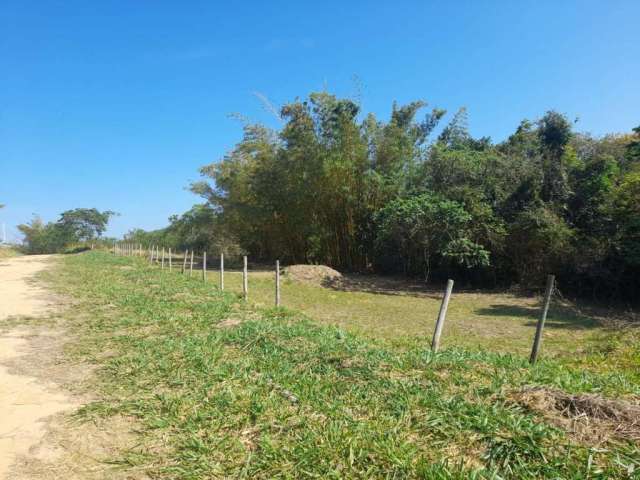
(590,419)
(313,274)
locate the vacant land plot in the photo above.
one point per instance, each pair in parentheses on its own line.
(221,389)
(379,307)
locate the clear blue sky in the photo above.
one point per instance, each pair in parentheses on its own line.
(115,105)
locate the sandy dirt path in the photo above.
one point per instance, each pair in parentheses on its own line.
(27,398)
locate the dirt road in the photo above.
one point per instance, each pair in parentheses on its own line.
(27,397)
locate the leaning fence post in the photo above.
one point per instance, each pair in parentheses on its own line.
(184,262)
(204,267)
(162,264)
(191,265)
(435,343)
(245,279)
(545,309)
(277,283)
(170,262)
(221,271)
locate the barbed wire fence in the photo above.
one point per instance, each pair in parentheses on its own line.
(193,263)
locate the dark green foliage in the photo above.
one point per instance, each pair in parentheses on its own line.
(81,225)
(337,187)
(84,224)
(424,231)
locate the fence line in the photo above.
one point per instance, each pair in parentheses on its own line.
(155,258)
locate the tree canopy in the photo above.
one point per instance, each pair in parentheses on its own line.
(73,226)
(412,194)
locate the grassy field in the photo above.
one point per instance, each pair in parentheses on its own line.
(376,307)
(220,389)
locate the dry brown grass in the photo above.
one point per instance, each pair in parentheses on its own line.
(588,418)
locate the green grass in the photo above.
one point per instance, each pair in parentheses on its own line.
(205,375)
(500,322)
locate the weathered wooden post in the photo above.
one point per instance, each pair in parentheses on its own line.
(245,279)
(435,343)
(162,263)
(537,341)
(191,265)
(204,267)
(221,271)
(151,254)
(184,262)
(170,262)
(277,283)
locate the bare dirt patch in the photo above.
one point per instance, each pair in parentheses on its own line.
(26,400)
(590,419)
(40,387)
(313,274)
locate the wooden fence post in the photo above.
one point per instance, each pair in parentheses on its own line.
(221,271)
(162,264)
(245,279)
(170,262)
(537,341)
(277,283)
(204,267)
(435,343)
(191,265)
(184,262)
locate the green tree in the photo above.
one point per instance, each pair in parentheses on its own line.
(554,131)
(539,243)
(83,224)
(425,229)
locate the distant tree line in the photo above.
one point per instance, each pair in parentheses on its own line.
(361,194)
(74,229)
